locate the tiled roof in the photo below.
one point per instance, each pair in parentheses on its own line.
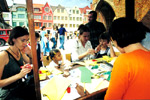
(83,10)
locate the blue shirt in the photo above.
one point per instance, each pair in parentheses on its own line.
(62,31)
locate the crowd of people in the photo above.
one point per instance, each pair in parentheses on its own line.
(130,74)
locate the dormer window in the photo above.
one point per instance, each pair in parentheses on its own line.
(46,9)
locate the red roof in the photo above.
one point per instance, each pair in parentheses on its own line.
(83,10)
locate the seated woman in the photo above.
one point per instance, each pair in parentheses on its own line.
(130,74)
(12,86)
(104,48)
(82,48)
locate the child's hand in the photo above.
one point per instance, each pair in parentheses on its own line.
(98,48)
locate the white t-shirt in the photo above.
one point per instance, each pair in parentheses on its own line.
(53,33)
(78,49)
(52,67)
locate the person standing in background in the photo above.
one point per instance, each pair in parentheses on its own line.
(42,33)
(62,33)
(96,28)
(53,37)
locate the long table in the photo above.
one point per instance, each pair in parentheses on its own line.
(96,88)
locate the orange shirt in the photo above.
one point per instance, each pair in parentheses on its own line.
(130,77)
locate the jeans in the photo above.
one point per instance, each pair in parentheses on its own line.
(61,38)
(54,43)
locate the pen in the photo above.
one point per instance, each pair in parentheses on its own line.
(84,89)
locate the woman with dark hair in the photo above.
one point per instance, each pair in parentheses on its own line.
(130,74)
(82,48)
(12,68)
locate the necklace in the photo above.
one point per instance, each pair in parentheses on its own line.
(14,52)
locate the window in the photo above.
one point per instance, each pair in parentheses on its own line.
(21,9)
(5,16)
(58,10)
(84,18)
(14,24)
(49,24)
(62,10)
(70,18)
(80,18)
(2,33)
(40,24)
(77,12)
(58,17)
(36,24)
(46,9)
(21,16)
(77,25)
(49,17)
(44,17)
(54,17)
(73,18)
(14,16)
(62,17)
(21,23)
(77,18)
(66,25)
(66,18)
(45,24)
(73,11)
(71,25)
(36,9)
(37,17)
(74,25)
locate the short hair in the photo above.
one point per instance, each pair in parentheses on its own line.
(94,14)
(61,25)
(16,32)
(126,31)
(105,35)
(80,26)
(43,27)
(83,29)
(37,35)
(52,53)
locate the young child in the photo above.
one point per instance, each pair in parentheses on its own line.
(57,65)
(104,48)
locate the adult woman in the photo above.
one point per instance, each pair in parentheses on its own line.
(11,74)
(82,48)
(130,74)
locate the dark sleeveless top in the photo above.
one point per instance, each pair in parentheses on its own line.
(12,68)
(98,55)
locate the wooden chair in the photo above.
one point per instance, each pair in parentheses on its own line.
(117,53)
(68,56)
(45,61)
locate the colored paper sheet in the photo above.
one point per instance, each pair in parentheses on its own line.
(85,75)
(56,88)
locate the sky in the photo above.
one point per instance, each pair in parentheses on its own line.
(65,3)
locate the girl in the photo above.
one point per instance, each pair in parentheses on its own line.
(104,47)
(57,65)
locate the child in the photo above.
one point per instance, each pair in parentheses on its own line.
(57,65)
(104,48)
(46,48)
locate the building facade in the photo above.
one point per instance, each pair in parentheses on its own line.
(19,15)
(43,16)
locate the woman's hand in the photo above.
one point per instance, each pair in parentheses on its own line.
(25,70)
(26,50)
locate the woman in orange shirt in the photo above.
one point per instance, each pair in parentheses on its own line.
(130,77)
